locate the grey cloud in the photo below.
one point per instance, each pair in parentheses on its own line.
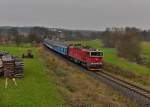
(75,14)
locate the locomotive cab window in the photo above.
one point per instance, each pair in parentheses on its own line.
(96,54)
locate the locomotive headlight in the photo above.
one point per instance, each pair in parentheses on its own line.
(89,64)
(92,63)
(100,63)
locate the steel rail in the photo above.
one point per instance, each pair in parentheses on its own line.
(133,87)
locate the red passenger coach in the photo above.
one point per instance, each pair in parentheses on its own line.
(90,58)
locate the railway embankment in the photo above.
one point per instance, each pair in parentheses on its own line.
(133,77)
(79,89)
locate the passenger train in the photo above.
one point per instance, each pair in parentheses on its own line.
(90,58)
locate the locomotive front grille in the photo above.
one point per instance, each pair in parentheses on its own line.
(94,66)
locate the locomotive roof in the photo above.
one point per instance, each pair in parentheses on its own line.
(86,48)
(90,49)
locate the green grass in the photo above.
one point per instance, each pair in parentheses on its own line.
(36,89)
(146,49)
(110,55)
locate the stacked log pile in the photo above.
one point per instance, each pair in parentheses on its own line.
(13,64)
(8,65)
(19,68)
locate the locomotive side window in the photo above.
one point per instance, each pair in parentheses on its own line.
(96,54)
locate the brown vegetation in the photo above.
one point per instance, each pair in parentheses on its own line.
(128,75)
(79,89)
(126,41)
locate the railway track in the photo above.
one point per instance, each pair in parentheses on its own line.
(135,88)
(140,95)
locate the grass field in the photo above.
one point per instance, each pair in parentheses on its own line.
(146,49)
(110,55)
(36,89)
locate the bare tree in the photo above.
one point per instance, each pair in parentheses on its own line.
(126,41)
(15,35)
(110,37)
(128,45)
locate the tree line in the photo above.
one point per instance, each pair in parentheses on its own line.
(37,34)
(12,35)
(126,41)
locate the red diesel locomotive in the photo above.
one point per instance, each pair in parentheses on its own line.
(90,58)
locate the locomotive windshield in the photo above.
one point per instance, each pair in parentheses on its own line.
(97,54)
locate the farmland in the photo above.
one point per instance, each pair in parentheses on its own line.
(36,89)
(146,54)
(146,49)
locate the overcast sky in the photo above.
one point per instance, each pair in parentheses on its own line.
(75,14)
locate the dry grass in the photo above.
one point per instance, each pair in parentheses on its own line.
(79,89)
(142,80)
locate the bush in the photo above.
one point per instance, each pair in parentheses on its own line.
(126,41)
(128,46)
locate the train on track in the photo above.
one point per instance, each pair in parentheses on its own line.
(90,58)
